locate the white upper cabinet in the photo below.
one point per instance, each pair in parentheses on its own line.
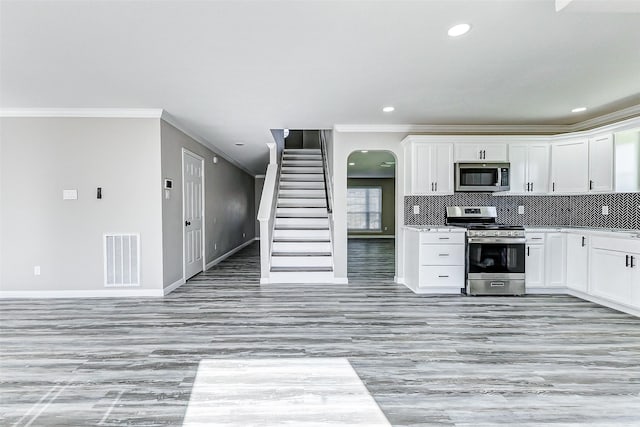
(479,152)
(570,166)
(431,168)
(601,163)
(529,168)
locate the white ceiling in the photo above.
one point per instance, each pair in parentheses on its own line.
(229,71)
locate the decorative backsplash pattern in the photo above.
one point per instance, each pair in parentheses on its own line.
(584,211)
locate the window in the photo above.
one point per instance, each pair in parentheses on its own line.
(364,208)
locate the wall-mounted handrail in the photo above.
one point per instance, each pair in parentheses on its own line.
(325,170)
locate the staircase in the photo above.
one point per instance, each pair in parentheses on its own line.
(301,247)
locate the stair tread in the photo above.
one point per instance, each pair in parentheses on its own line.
(301,269)
(301,254)
(300,240)
(300,227)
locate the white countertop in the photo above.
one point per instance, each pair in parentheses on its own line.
(530,228)
(435,228)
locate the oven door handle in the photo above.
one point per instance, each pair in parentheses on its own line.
(496,240)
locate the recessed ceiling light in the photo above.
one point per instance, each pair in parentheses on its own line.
(388,109)
(579,110)
(239,144)
(364,151)
(351,164)
(458,30)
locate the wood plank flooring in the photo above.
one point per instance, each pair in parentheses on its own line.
(530,361)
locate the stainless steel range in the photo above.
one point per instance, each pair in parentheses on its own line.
(495,252)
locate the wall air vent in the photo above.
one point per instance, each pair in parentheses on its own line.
(122,259)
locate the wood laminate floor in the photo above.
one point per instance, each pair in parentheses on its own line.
(530,361)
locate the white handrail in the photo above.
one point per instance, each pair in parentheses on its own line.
(266,212)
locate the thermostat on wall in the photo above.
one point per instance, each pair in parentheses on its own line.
(168,184)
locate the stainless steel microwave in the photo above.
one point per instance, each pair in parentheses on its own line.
(482,177)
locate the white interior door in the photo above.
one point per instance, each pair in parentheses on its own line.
(192,208)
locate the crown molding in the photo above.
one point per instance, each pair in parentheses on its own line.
(168,118)
(595,122)
(123,113)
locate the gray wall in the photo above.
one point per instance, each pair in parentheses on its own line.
(229,203)
(388,204)
(42,156)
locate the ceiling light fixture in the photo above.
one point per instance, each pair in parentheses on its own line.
(388,109)
(390,163)
(364,151)
(384,165)
(351,164)
(458,30)
(579,110)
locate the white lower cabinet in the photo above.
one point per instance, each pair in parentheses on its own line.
(578,262)
(615,270)
(435,261)
(534,260)
(555,260)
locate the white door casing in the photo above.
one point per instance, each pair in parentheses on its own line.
(192,213)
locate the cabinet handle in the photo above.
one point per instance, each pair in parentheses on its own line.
(553,187)
(436,186)
(443,275)
(443,254)
(480,155)
(591,185)
(632,258)
(626,262)
(532,186)
(444,238)
(528,186)
(493,284)
(528,250)
(583,241)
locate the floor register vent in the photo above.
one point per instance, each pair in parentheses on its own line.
(122,259)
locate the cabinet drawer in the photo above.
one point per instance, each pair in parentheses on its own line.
(442,254)
(628,245)
(442,238)
(534,238)
(441,276)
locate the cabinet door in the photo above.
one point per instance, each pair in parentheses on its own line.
(467,152)
(534,265)
(494,152)
(442,161)
(610,277)
(538,168)
(570,166)
(601,163)
(578,262)
(421,169)
(635,282)
(518,170)
(555,262)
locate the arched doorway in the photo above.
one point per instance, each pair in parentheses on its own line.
(371,215)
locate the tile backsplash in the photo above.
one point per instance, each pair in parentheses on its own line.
(586,211)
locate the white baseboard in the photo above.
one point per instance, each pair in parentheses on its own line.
(541,290)
(371,236)
(228,254)
(341,280)
(604,302)
(97,293)
(172,287)
(399,280)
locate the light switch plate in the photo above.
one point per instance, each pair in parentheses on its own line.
(605,210)
(416,210)
(69,194)
(521,210)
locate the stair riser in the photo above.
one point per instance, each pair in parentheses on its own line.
(302,261)
(318,212)
(301,163)
(313,177)
(302,234)
(301,277)
(301,193)
(302,222)
(290,185)
(302,169)
(301,247)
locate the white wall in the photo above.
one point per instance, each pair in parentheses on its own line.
(43,156)
(344,143)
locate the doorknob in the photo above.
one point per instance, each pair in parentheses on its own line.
(187,223)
